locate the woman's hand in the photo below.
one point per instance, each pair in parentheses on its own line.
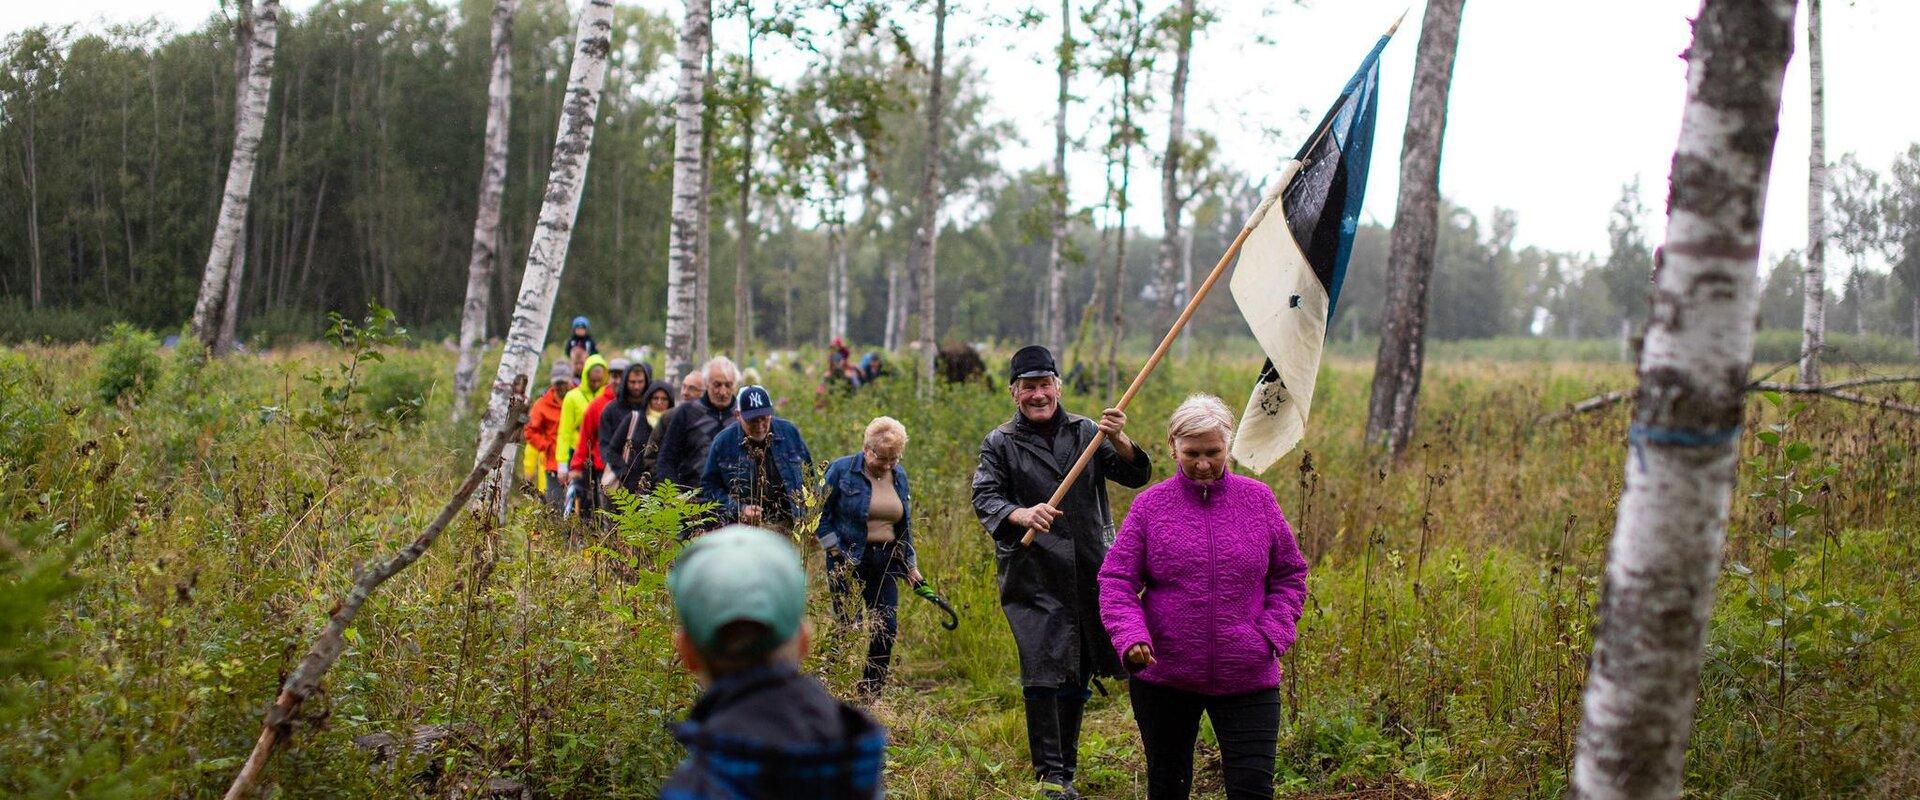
(914,577)
(1140,656)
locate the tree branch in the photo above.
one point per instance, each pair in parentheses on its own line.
(1833,390)
(305,679)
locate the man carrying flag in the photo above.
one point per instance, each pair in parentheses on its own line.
(1293,263)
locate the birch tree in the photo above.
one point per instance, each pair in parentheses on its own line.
(926,230)
(1170,197)
(1056,315)
(223,341)
(486,222)
(683,244)
(251,120)
(1683,444)
(1813,286)
(1416,219)
(560,206)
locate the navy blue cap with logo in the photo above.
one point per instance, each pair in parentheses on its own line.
(755,403)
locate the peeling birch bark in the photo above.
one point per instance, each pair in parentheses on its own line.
(547,256)
(683,242)
(251,121)
(486,222)
(1642,679)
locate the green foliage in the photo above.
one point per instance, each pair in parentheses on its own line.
(224,535)
(129,365)
(396,392)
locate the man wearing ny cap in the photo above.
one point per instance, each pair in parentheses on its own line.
(760,729)
(756,469)
(1048,589)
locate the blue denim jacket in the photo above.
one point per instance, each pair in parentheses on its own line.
(729,475)
(843,512)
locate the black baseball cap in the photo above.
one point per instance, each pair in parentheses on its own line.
(1032,361)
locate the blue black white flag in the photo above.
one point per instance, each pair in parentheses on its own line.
(1287,281)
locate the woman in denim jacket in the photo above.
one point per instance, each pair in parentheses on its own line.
(866,531)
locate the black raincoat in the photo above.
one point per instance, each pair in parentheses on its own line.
(1048,589)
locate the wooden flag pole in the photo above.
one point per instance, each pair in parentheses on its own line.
(1179,324)
(1253,221)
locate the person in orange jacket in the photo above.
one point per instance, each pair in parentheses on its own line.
(543,429)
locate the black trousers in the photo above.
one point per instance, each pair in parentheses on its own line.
(879,591)
(1248,726)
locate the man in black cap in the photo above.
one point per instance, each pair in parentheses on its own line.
(756,468)
(1048,588)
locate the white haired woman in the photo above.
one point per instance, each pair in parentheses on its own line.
(866,530)
(1201,593)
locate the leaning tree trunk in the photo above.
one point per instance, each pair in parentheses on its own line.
(1396,372)
(547,256)
(927,229)
(223,341)
(1813,286)
(1683,445)
(1057,225)
(683,244)
(743,224)
(486,222)
(1170,200)
(250,120)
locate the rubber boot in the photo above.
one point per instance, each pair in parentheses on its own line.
(1070,709)
(1043,741)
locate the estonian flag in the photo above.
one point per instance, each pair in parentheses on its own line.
(1288,278)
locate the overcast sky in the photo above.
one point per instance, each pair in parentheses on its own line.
(1554,104)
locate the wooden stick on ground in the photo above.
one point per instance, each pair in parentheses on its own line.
(305,679)
(1835,390)
(1193,303)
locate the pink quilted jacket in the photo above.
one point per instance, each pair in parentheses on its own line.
(1211,578)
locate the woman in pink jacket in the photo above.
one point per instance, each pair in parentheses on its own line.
(1201,593)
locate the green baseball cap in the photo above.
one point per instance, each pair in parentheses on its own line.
(739,573)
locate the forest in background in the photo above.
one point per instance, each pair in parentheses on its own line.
(113,145)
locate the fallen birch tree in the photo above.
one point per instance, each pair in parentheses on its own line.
(326,648)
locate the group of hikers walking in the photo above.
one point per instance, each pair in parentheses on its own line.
(1193,600)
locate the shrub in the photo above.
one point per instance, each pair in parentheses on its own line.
(396,392)
(21,324)
(129,364)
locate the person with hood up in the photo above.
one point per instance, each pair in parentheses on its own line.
(587,458)
(756,467)
(1047,589)
(543,433)
(573,411)
(582,338)
(760,730)
(625,426)
(1202,594)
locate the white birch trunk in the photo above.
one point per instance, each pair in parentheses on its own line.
(683,243)
(483,259)
(926,232)
(892,328)
(1813,286)
(1170,201)
(1683,448)
(251,119)
(223,341)
(547,256)
(1057,227)
(1186,288)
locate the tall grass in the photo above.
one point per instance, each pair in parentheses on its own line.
(1443,646)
